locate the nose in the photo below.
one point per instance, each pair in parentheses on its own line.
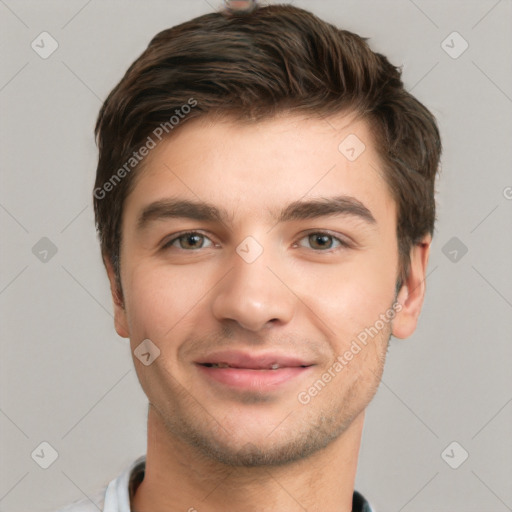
(254,294)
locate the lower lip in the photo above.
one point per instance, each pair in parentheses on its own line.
(243,378)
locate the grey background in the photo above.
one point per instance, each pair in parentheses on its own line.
(68,379)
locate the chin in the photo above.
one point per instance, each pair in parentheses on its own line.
(248,446)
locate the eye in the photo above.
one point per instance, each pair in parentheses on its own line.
(323,241)
(188,241)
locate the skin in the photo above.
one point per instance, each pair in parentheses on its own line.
(214,448)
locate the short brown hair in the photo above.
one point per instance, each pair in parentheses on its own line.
(251,66)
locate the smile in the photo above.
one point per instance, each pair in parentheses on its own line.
(244,371)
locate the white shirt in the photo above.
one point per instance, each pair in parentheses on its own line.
(117,495)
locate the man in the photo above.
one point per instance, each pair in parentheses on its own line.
(265,205)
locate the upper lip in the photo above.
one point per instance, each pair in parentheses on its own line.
(253,361)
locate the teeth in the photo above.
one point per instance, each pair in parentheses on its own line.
(274,366)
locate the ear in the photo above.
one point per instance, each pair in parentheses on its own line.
(412,293)
(120,320)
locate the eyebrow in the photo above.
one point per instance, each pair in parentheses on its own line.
(298,210)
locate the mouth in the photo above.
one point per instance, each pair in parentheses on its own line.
(264,372)
(273,366)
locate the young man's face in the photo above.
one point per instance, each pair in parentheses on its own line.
(269,282)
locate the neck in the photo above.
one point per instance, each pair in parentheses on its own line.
(178,478)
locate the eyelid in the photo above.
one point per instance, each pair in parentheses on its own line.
(342,241)
(176,236)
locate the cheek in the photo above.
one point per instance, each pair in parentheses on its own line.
(351,295)
(361,287)
(159,302)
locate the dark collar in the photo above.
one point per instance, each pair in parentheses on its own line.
(359,504)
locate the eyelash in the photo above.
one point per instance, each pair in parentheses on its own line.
(342,243)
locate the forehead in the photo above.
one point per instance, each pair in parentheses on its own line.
(258,167)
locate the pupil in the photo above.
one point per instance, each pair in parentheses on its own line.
(321,240)
(192,240)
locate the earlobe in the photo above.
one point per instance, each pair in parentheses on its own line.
(411,295)
(120,321)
